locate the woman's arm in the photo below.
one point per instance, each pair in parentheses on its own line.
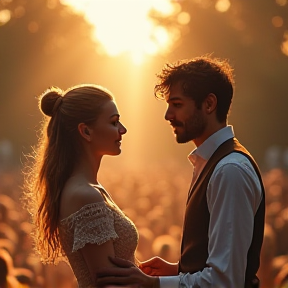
(96,256)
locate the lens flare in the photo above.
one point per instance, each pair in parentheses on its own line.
(139,27)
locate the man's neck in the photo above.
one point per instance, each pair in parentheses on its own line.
(208,132)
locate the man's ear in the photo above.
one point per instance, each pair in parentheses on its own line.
(210,103)
(84,131)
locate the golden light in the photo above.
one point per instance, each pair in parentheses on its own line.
(183,18)
(222,5)
(132,26)
(277,21)
(284,46)
(33,27)
(5,16)
(19,12)
(281,2)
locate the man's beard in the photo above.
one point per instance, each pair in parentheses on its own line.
(192,128)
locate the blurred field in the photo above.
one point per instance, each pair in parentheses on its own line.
(154,198)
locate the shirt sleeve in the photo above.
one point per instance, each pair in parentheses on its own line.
(169,281)
(93,224)
(233,197)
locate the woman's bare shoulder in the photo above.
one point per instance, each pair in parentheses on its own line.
(77,195)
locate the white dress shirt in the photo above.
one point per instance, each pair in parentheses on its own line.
(233,197)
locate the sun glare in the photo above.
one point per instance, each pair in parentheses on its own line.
(133,26)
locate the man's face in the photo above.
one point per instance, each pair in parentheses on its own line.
(187,120)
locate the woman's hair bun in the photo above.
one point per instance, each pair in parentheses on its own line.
(48,100)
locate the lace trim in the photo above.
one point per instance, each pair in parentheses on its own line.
(93,223)
(101,205)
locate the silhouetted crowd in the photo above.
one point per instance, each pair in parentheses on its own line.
(154,198)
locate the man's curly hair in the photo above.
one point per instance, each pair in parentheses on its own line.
(199,76)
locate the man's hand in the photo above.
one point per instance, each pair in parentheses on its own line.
(126,273)
(157,266)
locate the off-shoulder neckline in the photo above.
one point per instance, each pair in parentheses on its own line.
(106,204)
(89,205)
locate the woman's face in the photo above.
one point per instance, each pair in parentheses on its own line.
(107,131)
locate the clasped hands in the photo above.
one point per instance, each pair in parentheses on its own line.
(127,273)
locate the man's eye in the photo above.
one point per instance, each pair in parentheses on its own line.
(177,104)
(115,123)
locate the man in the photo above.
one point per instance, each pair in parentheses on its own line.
(224,217)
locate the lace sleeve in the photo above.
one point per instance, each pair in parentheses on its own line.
(93,223)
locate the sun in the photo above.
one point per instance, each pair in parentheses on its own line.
(133,26)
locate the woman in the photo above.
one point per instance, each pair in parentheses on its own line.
(75,218)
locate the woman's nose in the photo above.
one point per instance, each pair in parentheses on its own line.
(122,129)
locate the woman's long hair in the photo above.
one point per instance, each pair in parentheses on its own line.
(54,159)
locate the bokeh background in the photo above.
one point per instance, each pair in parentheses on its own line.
(122,44)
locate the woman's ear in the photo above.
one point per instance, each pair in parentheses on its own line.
(84,131)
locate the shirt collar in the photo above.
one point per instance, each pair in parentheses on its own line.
(209,146)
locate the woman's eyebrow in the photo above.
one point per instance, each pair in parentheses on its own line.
(115,115)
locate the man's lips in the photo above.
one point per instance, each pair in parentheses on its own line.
(176,124)
(176,127)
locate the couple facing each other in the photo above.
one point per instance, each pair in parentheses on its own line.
(76,219)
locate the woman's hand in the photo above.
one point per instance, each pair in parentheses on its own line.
(125,273)
(157,266)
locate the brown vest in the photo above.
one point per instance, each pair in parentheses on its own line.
(194,247)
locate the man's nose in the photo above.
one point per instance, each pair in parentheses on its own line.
(168,114)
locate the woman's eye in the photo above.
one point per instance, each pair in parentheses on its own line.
(177,104)
(115,123)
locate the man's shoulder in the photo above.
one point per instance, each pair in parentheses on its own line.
(235,164)
(235,157)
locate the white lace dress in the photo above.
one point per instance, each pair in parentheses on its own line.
(96,223)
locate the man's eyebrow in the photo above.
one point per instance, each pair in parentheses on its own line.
(175,98)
